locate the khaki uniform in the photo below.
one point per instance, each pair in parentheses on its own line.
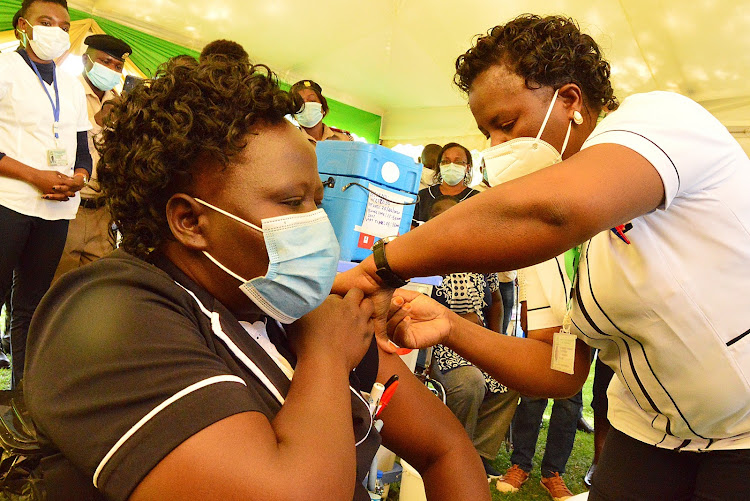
(330,134)
(88,234)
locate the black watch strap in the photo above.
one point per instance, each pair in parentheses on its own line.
(383,270)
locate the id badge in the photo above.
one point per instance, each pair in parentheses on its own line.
(563,352)
(57,158)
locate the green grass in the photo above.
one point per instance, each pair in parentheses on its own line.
(578,463)
(4,379)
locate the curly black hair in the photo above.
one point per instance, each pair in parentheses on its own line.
(153,140)
(228,48)
(545,51)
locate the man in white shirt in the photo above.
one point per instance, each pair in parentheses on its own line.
(88,234)
(545,290)
(44,161)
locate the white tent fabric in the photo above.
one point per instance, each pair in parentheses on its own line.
(395,57)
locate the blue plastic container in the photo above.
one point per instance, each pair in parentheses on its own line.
(360,217)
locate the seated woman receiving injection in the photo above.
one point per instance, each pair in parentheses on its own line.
(164,371)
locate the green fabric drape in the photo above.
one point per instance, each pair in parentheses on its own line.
(150,51)
(8,9)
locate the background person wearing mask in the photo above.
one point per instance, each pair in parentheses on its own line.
(454,164)
(89,233)
(429,159)
(310,117)
(44,161)
(654,201)
(5,327)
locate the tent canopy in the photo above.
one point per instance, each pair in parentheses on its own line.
(395,58)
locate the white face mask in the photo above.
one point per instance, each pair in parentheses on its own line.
(50,42)
(428,176)
(310,116)
(523,155)
(452,174)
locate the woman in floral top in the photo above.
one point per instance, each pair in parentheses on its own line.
(484,406)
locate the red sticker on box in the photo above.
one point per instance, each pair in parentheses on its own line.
(365,241)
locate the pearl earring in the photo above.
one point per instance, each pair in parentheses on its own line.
(577,117)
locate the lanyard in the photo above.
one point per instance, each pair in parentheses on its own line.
(572,258)
(56,103)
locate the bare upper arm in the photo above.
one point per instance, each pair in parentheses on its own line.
(417,425)
(600,187)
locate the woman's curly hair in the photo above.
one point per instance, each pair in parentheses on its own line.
(153,139)
(545,51)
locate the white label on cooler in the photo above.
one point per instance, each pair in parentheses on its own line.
(382,216)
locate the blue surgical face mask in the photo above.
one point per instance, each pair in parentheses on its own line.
(102,77)
(310,115)
(303,255)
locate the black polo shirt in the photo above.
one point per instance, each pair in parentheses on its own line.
(123,365)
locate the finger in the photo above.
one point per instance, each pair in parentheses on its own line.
(367,307)
(397,315)
(58,197)
(354,295)
(396,303)
(385,344)
(406,294)
(400,333)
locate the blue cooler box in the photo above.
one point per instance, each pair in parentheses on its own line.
(362,182)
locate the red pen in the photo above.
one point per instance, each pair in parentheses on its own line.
(619,230)
(387,395)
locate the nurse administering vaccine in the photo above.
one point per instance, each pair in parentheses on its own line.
(653,201)
(44,162)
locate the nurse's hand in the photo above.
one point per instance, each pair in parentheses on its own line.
(339,330)
(363,277)
(417,321)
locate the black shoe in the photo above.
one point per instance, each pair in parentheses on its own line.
(584,426)
(492,473)
(589,475)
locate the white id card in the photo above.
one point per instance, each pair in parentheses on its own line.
(563,352)
(57,158)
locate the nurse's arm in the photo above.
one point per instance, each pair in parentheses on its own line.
(522,364)
(525,221)
(419,428)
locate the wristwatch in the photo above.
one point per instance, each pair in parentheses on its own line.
(85,179)
(384,271)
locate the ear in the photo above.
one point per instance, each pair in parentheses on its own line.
(572,99)
(187,221)
(25,28)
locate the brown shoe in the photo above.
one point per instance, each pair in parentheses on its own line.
(513,479)
(556,487)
